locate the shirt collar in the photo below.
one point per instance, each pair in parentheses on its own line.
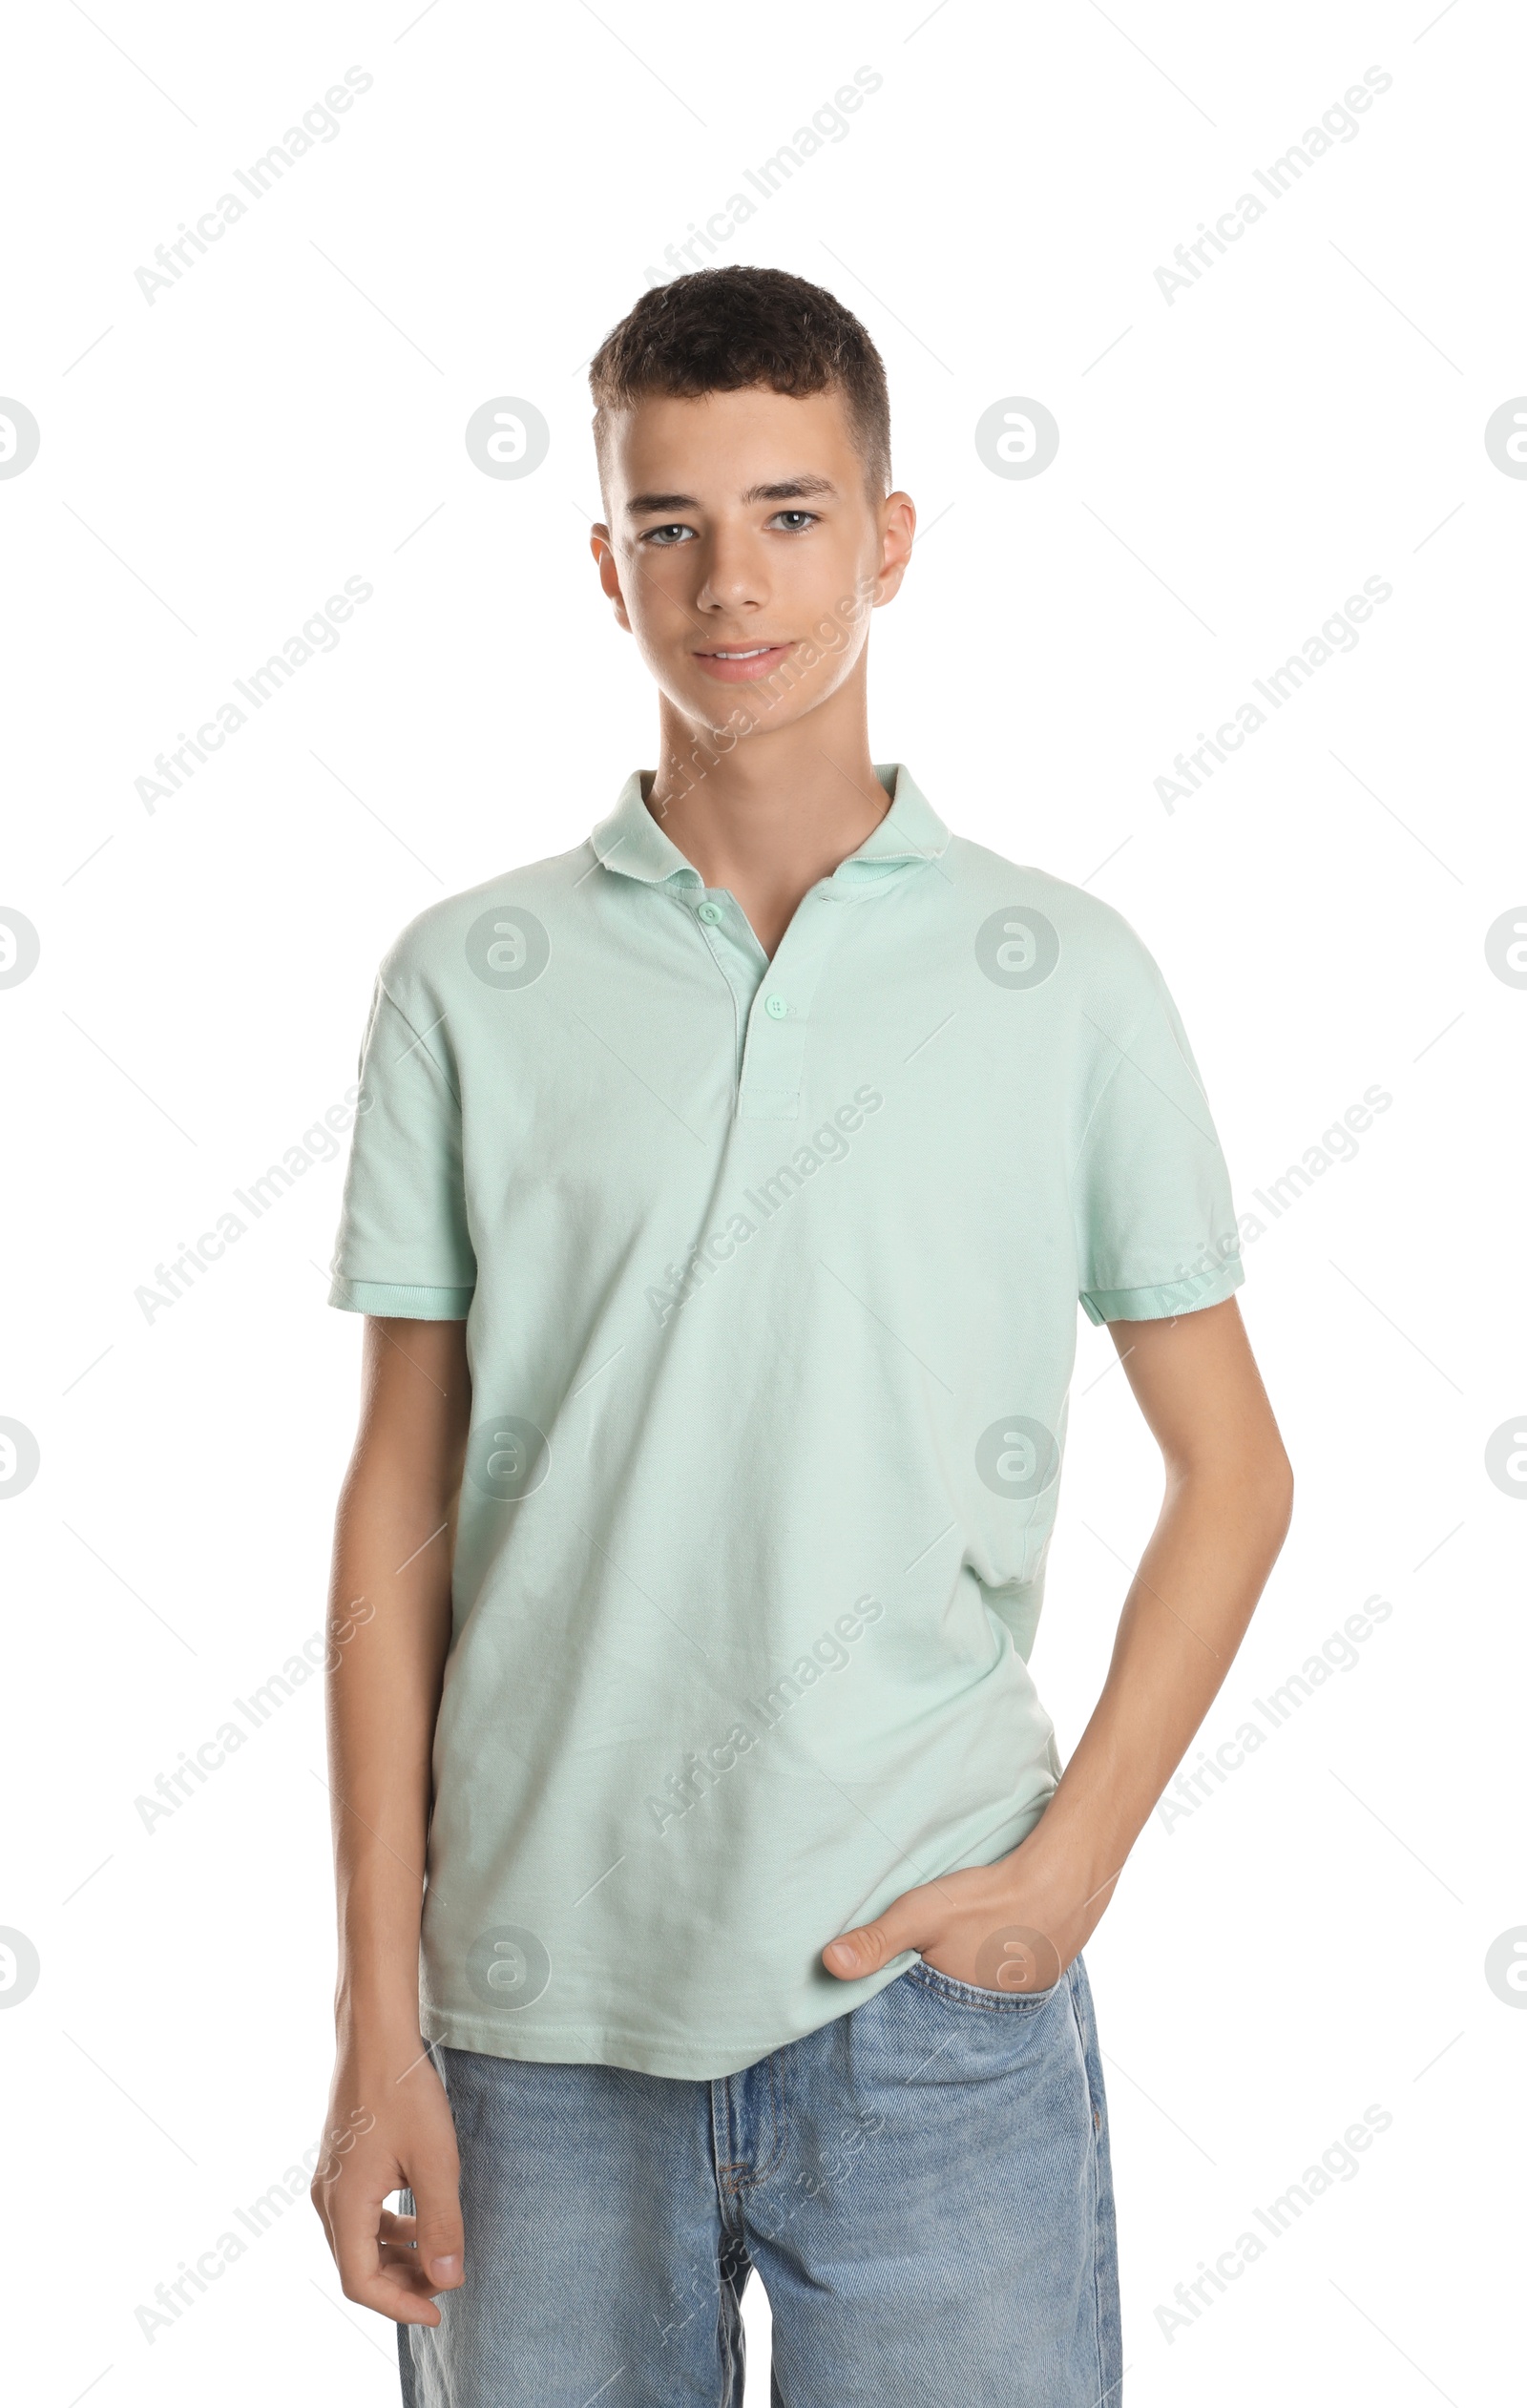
(630,842)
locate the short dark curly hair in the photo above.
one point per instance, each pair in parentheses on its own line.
(726,328)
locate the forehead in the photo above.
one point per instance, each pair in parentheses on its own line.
(716,447)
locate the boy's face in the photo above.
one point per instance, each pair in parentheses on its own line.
(744,551)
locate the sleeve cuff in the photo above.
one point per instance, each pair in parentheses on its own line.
(1161,1304)
(400,1304)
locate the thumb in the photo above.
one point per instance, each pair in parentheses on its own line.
(437,2231)
(870,1946)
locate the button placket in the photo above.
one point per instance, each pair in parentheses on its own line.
(737,956)
(774,1053)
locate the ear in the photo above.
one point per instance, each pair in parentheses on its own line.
(603,551)
(898,530)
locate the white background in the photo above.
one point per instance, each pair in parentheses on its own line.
(1233,463)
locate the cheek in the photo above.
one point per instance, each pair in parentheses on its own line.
(832,668)
(657,589)
(836,639)
(654,582)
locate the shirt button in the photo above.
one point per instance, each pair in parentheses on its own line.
(710,913)
(776,1007)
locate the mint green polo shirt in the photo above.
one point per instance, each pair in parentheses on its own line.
(770,1273)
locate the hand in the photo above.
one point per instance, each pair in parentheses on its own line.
(1014,1925)
(391,2130)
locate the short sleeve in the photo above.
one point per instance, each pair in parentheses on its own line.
(1156,1231)
(404,1247)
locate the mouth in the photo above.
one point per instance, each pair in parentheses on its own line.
(734,662)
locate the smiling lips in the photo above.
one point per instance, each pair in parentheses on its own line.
(734,663)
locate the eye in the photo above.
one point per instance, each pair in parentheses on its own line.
(664,537)
(802,519)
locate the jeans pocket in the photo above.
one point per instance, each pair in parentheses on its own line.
(967,1993)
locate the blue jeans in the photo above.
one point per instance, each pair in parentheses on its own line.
(923,2186)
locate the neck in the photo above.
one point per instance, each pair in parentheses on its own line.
(778,811)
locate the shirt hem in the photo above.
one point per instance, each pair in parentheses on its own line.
(401,1303)
(638,2053)
(1173,1297)
(692,2058)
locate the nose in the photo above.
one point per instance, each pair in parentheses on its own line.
(736,574)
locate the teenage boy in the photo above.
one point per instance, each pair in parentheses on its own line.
(720,1205)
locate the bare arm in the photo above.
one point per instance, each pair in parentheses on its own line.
(1223,1518)
(390,2124)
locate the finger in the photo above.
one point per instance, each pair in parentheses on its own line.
(387,2279)
(398,2249)
(437,2231)
(908,1924)
(373,2270)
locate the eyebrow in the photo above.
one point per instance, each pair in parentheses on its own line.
(791,489)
